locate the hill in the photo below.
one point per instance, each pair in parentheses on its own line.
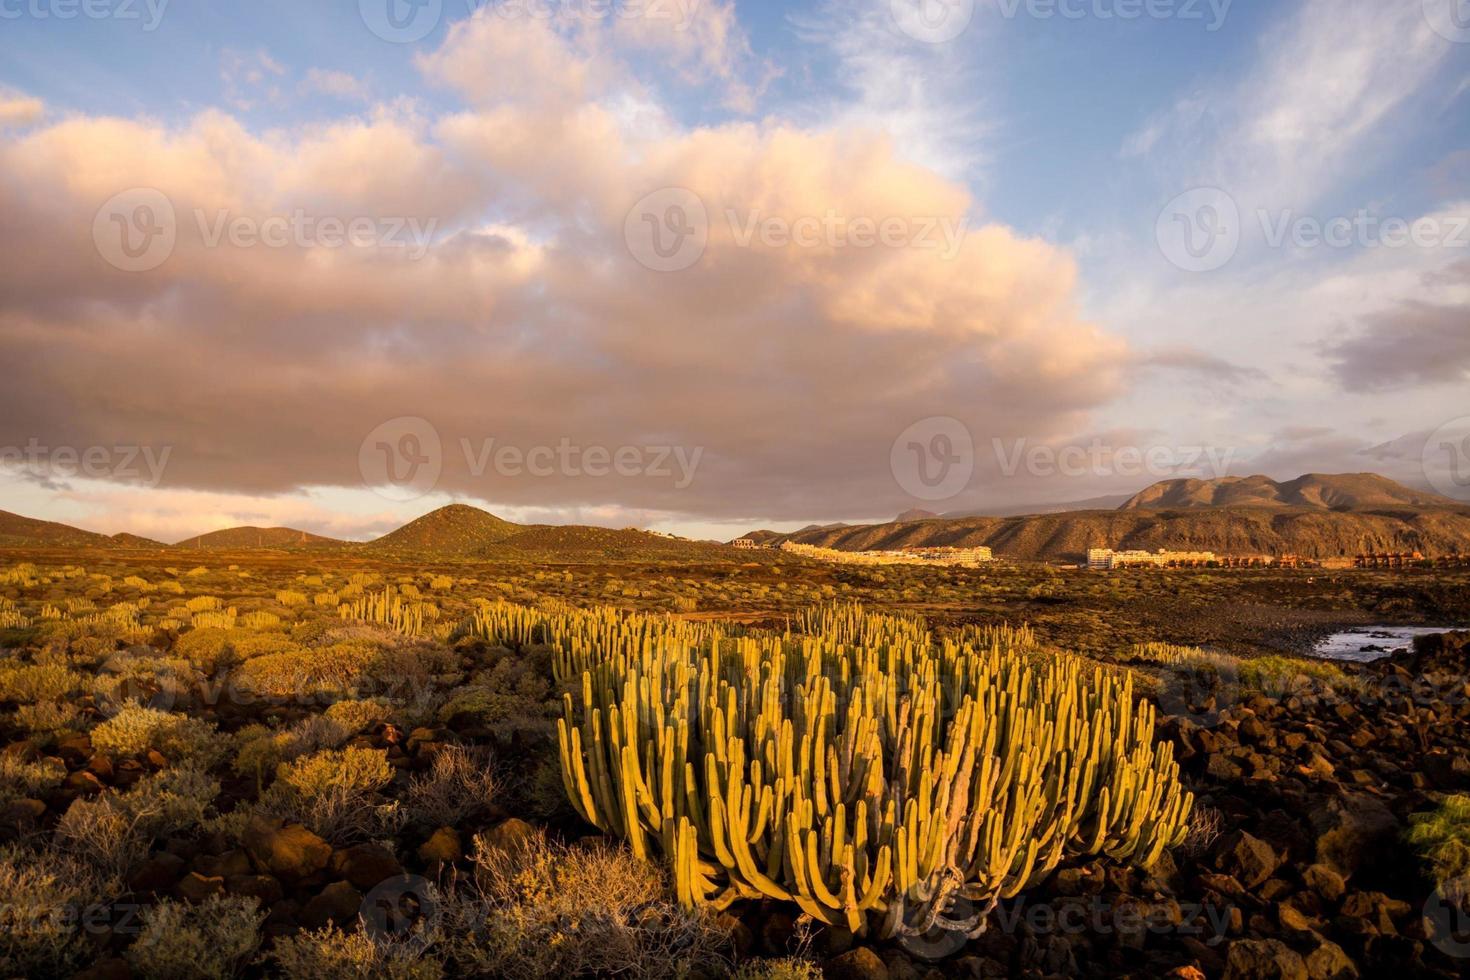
(461,531)
(1315,491)
(27,532)
(455,531)
(126,540)
(252,538)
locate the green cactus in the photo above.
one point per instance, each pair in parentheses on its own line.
(862,770)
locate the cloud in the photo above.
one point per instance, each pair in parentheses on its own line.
(789,365)
(18,109)
(1413,342)
(338,84)
(250,78)
(1194,361)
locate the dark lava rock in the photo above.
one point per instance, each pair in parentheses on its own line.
(1263,959)
(856,964)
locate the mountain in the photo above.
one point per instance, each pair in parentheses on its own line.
(1315,491)
(27,532)
(1110,502)
(252,538)
(455,531)
(915,515)
(1318,516)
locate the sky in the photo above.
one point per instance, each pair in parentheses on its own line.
(705,266)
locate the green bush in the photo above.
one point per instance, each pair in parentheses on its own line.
(1442,838)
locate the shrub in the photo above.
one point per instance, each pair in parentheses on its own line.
(457,786)
(20,778)
(329,954)
(114,832)
(354,769)
(1442,838)
(357,717)
(210,941)
(30,683)
(334,794)
(788,968)
(43,894)
(332,670)
(136,729)
(544,910)
(47,721)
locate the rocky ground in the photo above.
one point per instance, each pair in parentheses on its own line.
(1307,876)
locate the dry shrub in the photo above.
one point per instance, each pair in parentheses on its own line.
(335,795)
(788,968)
(457,786)
(544,910)
(210,941)
(329,954)
(136,729)
(114,832)
(40,935)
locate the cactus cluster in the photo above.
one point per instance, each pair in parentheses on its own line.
(389,608)
(866,771)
